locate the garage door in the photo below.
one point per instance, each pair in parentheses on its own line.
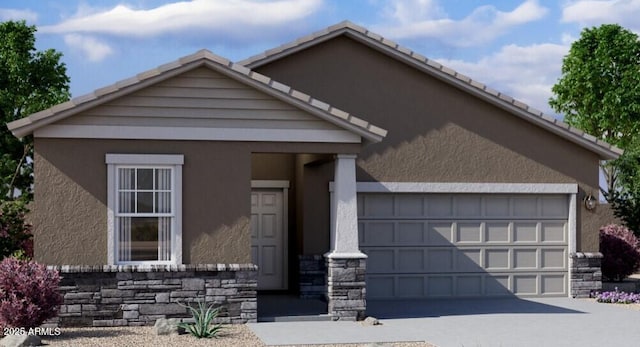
(464,245)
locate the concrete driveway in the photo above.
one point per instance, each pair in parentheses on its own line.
(473,323)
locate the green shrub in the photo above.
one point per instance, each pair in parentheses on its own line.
(15,233)
(203,317)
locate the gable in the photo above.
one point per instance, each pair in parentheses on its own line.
(199,104)
(199,97)
(423,65)
(437,132)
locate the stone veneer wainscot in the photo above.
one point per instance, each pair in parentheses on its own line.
(130,295)
(313,276)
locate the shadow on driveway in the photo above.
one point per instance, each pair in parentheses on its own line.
(388,309)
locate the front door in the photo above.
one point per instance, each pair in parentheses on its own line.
(267,237)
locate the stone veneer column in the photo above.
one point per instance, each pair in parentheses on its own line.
(586,274)
(346,289)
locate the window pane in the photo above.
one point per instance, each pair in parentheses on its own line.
(164,232)
(144,239)
(126,178)
(163,179)
(126,202)
(145,202)
(145,179)
(163,202)
(124,246)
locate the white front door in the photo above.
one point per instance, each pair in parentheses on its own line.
(268,237)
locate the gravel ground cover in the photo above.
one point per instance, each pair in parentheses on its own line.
(232,336)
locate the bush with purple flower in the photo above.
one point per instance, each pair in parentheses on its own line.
(28,293)
(621,252)
(618,297)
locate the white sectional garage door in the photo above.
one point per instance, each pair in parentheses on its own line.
(464,245)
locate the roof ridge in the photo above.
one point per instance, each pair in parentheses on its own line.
(357,31)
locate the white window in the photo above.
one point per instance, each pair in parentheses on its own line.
(144,215)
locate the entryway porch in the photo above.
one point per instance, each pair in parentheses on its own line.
(304,237)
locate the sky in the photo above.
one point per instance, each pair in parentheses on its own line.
(514,46)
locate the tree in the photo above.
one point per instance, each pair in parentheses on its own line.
(15,233)
(625,200)
(30,81)
(599,90)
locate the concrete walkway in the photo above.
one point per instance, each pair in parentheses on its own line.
(472,323)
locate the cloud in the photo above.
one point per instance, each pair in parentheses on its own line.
(92,48)
(219,18)
(596,12)
(13,14)
(526,73)
(426,19)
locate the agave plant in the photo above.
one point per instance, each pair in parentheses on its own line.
(202,316)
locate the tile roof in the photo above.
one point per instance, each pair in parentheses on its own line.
(361,34)
(27,125)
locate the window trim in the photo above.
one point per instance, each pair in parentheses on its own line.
(174,161)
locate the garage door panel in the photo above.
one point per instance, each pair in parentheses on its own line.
(439,286)
(360,199)
(553,284)
(411,233)
(497,232)
(380,260)
(469,260)
(377,233)
(410,205)
(554,207)
(469,286)
(469,232)
(553,232)
(497,259)
(468,206)
(380,287)
(525,258)
(497,207)
(410,286)
(464,245)
(439,206)
(439,233)
(525,206)
(411,260)
(525,284)
(498,285)
(440,260)
(525,232)
(554,258)
(378,205)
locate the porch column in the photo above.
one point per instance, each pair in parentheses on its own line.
(345,263)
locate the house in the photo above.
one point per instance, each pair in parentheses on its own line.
(339,164)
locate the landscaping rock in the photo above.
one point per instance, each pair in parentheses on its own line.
(21,341)
(369,321)
(169,326)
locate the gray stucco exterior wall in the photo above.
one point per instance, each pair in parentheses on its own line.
(70,208)
(437,133)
